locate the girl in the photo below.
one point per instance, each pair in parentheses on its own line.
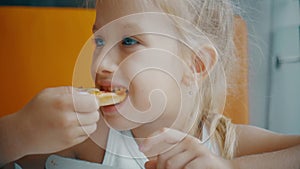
(178,54)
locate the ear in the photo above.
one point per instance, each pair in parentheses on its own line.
(205,60)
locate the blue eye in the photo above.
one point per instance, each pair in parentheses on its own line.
(99,42)
(129,42)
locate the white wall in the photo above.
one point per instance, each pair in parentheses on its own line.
(284,114)
(274,93)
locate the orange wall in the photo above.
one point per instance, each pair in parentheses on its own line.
(38,49)
(237,104)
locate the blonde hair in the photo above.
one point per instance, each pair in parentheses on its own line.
(215,20)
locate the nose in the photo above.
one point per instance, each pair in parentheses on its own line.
(106,68)
(105,65)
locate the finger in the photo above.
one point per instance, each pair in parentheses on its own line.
(198,163)
(151,164)
(85,102)
(179,160)
(80,139)
(61,90)
(82,131)
(76,102)
(88,118)
(163,159)
(164,135)
(87,130)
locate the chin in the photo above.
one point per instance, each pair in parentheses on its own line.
(121,123)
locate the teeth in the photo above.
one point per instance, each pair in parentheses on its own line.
(117,90)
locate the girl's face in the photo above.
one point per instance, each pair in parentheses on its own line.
(137,48)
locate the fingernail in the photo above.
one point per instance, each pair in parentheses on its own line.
(143,148)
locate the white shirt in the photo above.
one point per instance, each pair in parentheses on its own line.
(122,152)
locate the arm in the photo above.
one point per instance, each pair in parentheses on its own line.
(259,148)
(11,139)
(287,158)
(56,119)
(254,140)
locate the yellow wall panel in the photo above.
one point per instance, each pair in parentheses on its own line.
(38,49)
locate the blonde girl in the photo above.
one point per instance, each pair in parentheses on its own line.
(176,52)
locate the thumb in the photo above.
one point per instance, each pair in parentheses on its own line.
(61,90)
(85,102)
(151,164)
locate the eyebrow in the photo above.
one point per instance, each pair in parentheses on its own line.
(126,27)
(131,26)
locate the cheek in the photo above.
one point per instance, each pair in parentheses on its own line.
(154,78)
(139,91)
(183,102)
(144,85)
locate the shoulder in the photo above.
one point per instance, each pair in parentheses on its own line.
(253,140)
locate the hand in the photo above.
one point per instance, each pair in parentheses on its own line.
(186,152)
(56,119)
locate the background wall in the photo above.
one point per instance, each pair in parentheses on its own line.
(38,49)
(284,112)
(274,93)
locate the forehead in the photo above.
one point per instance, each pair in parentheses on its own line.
(111,10)
(119,18)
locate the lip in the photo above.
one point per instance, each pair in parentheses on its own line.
(112,109)
(103,82)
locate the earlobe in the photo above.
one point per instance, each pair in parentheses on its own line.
(205,60)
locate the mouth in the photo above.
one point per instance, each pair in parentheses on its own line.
(109,95)
(119,90)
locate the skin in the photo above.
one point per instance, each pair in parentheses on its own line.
(142,84)
(48,123)
(256,148)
